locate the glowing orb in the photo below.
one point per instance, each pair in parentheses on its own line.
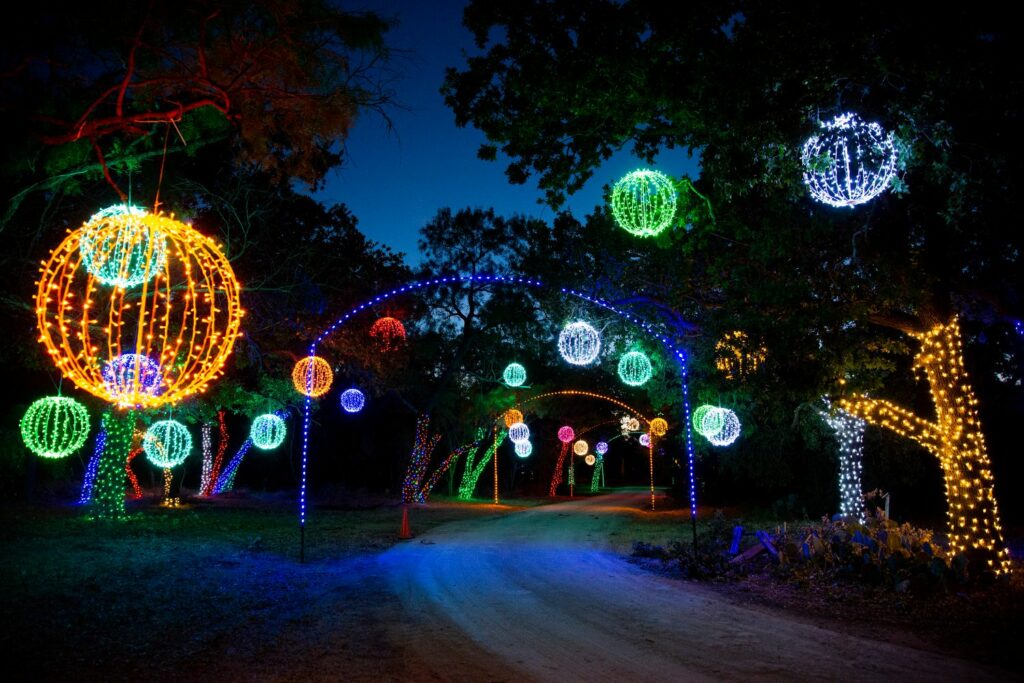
(579,343)
(850,162)
(566,434)
(659,426)
(630,424)
(55,426)
(118,248)
(720,426)
(268,431)
(512,416)
(185,316)
(518,432)
(580,447)
(601,448)
(736,356)
(132,374)
(167,443)
(645,440)
(635,369)
(590,459)
(644,203)
(312,376)
(352,400)
(388,333)
(698,418)
(514,375)
(524,448)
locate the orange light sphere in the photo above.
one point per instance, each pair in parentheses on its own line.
(388,333)
(659,426)
(512,416)
(182,314)
(312,376)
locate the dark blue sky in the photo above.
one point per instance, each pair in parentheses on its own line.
(395,182)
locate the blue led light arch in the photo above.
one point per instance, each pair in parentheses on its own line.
(674,351)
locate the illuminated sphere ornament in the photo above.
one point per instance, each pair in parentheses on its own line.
(388,333)
(736,356)
(645,440)
(659,426)
(167,443)
(132,374)
(566,434)
(268,432)
(184,317)
(849,162)
(312,376)
(512,416)
(579,343)
(523,449)
(518,432)
(635,369)
(580,447)
(590,459)
(720,426)
(55,426)
(644,203)
(698,418)
(121,249)
(601,448)
(514,375)
(352,400)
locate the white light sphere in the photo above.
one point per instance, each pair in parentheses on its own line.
(601,448)
(729,430)
(579,343)
(519,432)
(849,162)
(523,449)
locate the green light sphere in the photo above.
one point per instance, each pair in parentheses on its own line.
(514,375)
(167,443)
(268,432)
(644,203)
(55,426)
(635,369)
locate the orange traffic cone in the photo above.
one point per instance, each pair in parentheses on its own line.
(404,532)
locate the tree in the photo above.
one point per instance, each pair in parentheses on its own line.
(743,83)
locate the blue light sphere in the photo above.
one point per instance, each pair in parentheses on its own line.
(267,432)
(352,400)
(124,372)
(601,448)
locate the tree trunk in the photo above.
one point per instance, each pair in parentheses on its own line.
(955,438)
(109,487)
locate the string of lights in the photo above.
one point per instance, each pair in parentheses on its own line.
(90,470)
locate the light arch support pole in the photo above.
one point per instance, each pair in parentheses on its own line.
(676,352)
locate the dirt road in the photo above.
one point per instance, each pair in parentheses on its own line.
(538,596)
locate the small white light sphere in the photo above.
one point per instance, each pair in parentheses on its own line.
(523,449)
(519,432)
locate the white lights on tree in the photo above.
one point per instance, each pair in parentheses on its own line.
(579,343)
(523,449)
(849,162)
(519,432)
(850,435)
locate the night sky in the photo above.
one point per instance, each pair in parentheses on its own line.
(394,182)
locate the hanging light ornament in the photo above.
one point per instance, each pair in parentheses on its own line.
(267,432)
(512,416)
(590,459)
(514,375)
(120,249)
(55,426)
(312,376)
(184,316)
(566,434)
(167,443)
(645,440)
(850,162)
(352,400)
(579,343)
(388,333)
(735,355)
(698,418)
(580,447)
(518,432)
(720,426)
(635,369)
(659,426)
(601,448)
(644,202)
(130,375)
(523,449)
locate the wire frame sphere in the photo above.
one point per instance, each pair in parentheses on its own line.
(659,426)
(579,343)
(352,400)
(635,369)
(697,418)
(566,434)
(388,333)
(512,416)
(185,316)
(736,356)
(514,375)
(644,202)
(849,162)
(167,443)
(729,430)
(580,447)
(267,432)
(312,376)
(132,374)
(601,448)
(645,440)
(590,459)
(523,449)
(519,432)
(120,249)
(55,426)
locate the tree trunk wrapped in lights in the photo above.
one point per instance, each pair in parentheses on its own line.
(955,438)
